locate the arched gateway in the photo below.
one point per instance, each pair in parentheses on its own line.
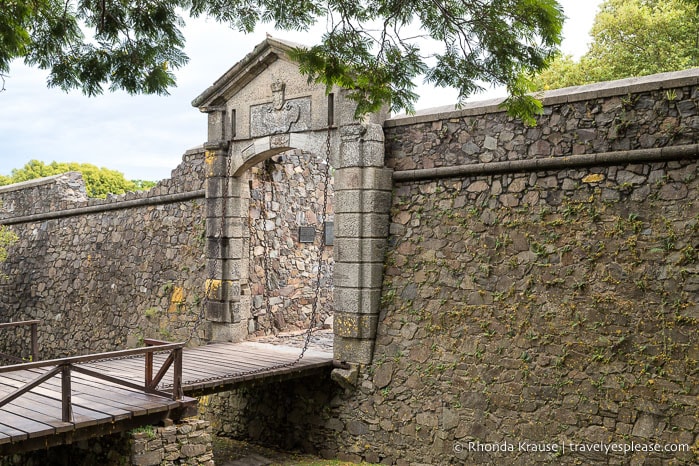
(262,107)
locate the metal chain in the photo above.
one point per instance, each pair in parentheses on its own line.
(314,308)
(266,260)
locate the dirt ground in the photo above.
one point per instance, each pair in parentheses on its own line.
(229,452)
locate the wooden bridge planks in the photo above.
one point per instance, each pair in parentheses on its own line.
(95,402)
(245,363)
(230,365)
(205,369)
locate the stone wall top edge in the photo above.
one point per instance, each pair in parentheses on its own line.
(606,89)
(195,150)
(166,188)
(30,183)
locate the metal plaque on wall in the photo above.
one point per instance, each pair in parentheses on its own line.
(307,234)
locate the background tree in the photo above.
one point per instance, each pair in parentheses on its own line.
(631,38)
(374,47)
(98,181)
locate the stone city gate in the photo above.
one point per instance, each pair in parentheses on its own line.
(263,107)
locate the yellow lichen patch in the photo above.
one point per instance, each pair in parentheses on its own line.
(209,159)
(212,287)
(593,178)
(176,299)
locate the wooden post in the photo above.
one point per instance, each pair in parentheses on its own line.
(177,393)
(35,344)
(149,371)
(67,404)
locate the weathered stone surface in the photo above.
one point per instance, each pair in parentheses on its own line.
(383,375)
(154,446)
(357,428)
(150,458)
(105,279)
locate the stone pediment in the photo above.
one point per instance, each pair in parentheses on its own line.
(264,94)
(242,73)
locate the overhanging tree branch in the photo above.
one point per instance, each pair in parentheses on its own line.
(367,46)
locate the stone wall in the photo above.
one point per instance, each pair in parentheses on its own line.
(185,443)
(524,305)
(283,269)
(188,442)
(291,415)
(104,274)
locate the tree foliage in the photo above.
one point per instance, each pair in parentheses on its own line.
(631,38)
(98,181)
(375,47)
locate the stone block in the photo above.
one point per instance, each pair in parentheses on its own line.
(214,227)
(214,207)
(242,270)
(361,225)
(361,154)
(216,124)
(191,450)
(240,309)
(216,163)
(350,154)
(357,301)
(228,248)
(218,311)
(237,207)
(360,249)
(214,289)
(214,186)
(362,201)
(151,458)
(238,187)
(222,290)
(358,275)
(221,331)
(235,249)
(362,146)
(355,325)
(363,178)
(353,350)
(215,248)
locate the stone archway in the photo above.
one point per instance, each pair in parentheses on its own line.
(229,300)
(362,203)
(260,108)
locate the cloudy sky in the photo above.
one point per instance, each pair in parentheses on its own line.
(144,137)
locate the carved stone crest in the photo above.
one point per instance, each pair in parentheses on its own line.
(279,116)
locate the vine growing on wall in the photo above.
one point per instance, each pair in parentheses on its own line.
(7,237)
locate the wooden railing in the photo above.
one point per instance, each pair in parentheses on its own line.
(65,366)
(34,350)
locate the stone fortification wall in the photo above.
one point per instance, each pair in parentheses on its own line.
(535,295)
(104,274)
(186,442)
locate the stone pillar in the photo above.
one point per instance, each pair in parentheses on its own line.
(227,200)
(362,206)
